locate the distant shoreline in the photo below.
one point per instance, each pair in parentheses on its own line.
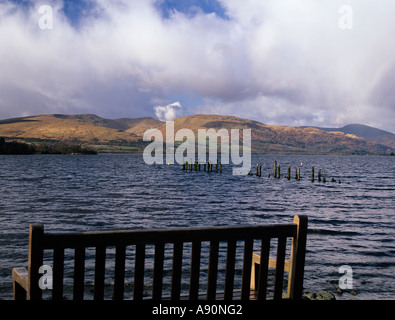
(21,148)
(24,148)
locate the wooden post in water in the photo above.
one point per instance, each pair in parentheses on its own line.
(275,169)
(298,173)
(186,165)
(289,172)
(319,175)
(220,167)
(278,172)
(204,166)
(324,178)
(258,170)
(216,166)
(312,174)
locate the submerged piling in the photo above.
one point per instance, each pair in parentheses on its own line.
(289,172)
(312,174)
(258,170)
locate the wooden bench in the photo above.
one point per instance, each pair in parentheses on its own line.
(236,255)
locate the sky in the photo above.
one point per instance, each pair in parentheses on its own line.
(281,62)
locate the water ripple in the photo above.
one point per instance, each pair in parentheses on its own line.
(350,223)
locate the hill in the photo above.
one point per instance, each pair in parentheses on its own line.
(104,135)
(369,133)
(126,134)
(284,139)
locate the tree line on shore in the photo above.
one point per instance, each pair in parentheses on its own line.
(15,147)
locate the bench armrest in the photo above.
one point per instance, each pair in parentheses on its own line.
(20,283)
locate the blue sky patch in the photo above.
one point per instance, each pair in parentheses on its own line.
(76,10)
(191,7)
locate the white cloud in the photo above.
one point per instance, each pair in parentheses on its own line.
(169,112)
(277,61)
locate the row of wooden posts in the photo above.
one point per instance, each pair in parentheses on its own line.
(277,169)
(197,166)
(208,167)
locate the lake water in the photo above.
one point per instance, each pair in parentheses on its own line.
(352,223)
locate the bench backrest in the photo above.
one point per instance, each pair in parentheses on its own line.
(182,242)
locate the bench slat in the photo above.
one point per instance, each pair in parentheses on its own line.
(279,276)
(246,275)
(58,273)
(230,270)
(100,266)
(119,272)
(114,238)
(79,273)
(212,270)
(35,261)
(158,271)
(177,270)
(138,288)
(263,269)
(195,270)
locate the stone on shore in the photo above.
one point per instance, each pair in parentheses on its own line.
(323,295)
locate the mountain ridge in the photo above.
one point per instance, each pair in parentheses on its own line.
(369,133)
(126,134)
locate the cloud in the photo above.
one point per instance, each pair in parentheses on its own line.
(169,112)
(279,62)
(302,68)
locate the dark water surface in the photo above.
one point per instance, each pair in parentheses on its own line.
(352,223)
